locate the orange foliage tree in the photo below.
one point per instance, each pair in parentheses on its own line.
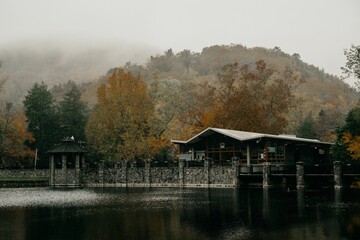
(119,127)
(250,100)
(353,145)
(13,135)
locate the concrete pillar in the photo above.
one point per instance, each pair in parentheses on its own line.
(337,174)
(52,170)
(101,172)
(83,166)
(207,171)
(82,170)
(124,169)
(248,155)
(63,170)
(266,174)
(181,173)
(235,167)
(147,172)
(77,169)
(300,181)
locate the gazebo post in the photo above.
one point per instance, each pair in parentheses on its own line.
(64,167)
(69,175)
(77,169)
(52,170)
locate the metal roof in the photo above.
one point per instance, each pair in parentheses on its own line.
(245,136)
(67,146)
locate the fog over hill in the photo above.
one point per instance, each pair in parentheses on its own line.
(52,63)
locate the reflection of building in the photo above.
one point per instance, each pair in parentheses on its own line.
(66,164)
(222,145)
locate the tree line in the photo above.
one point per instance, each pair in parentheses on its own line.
(137,113)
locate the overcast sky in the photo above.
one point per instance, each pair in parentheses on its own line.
(319,30)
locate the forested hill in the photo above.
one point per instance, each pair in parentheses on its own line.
(322,99)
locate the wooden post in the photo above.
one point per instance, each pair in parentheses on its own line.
(337,174)
(300,182)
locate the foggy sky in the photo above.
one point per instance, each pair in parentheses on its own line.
(318,30)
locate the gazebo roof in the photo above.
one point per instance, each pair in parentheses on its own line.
(67,145)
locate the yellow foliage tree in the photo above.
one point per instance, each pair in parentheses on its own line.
(119,126)
(353,145)
(13,135)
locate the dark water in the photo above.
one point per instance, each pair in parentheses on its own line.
(140,213)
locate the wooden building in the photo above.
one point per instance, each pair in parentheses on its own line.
(222,146)
(67,162)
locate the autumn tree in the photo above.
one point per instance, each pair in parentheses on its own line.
(119,127)
(347,146)
(13,136)
(42,119)
(250,100)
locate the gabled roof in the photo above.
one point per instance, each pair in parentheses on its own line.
(246,136)
(67,146)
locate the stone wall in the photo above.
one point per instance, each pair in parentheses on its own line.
(24,178)
(173,176)
(26,173)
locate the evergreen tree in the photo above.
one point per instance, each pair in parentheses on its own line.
(306,128)
(347,146)
(41,118)
(73,114)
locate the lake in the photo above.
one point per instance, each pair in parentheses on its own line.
(171,213)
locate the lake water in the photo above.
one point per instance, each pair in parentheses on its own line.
(169,213)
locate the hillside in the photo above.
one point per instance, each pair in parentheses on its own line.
(322,96)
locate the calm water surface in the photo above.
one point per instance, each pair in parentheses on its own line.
(162,213)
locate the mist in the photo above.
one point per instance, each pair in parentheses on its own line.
(26,63)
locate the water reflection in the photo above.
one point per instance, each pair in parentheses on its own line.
(179,214)
(300,197)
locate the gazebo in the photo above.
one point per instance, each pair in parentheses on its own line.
(66,163)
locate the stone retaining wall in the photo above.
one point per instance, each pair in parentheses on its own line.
(175,176)
(28,173)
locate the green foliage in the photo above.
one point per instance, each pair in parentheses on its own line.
(73,114)
(351,127)
(42,119)
(306,128)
